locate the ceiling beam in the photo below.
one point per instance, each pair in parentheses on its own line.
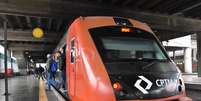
(49,24)
(4,17)
(173,4)
(30,47)
(138,3)
(26,36)
(19,23)
(152,3)
(59,23)
(114,2)
(165,35)
(39,21)
(100,1)
(37,53)
(125,3)
(187,9)
(28,20)
(161,6)
(59,9)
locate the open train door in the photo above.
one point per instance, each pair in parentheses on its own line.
(72,67)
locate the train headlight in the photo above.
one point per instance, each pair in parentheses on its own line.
(117,86)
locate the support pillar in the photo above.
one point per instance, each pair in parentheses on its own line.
(188,60)
(174,55)
(199,53)
(11,61)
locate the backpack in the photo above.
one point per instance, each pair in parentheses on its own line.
(54,66)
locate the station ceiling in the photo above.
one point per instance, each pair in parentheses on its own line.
(168,18)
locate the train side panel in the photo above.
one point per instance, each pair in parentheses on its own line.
(91,82)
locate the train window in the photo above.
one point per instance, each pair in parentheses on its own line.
(131,48)
(129,52)
(72,51)
(116,45)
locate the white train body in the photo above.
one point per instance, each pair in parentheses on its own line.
(12,65)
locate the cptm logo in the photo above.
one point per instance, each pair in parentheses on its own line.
(138,82)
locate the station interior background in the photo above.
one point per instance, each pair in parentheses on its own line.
(169,19)
(175,47)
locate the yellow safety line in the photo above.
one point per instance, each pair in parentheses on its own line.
(42,92)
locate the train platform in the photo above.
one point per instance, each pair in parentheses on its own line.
(191,78)
(193,86)
(27,88)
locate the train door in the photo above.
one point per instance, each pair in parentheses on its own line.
(72,67)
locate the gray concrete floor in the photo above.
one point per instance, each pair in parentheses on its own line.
(51,96)
(23,88)
(26,88)
(193,86)
(192,79)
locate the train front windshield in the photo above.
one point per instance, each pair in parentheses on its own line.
(121,48)
(130,55)
(132,47)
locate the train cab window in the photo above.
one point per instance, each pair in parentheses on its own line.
(131,48)
(72,51)
(129,52)
(116,45)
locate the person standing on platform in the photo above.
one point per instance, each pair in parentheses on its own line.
(40,71)
(53,66)
(36,74)
(49,74)
(62,67)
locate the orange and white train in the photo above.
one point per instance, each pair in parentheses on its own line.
(119,59)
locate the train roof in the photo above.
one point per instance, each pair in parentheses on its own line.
(98,21)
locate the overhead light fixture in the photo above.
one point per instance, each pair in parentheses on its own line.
(38,33)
